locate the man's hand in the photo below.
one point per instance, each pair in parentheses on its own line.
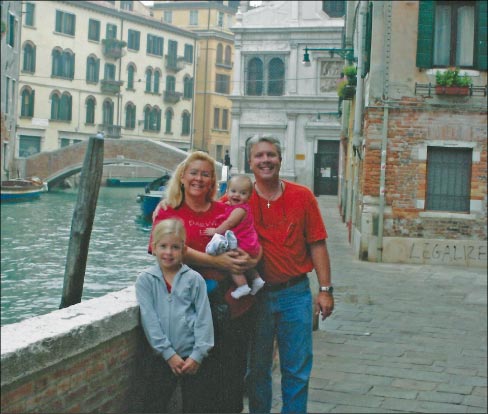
(324,304)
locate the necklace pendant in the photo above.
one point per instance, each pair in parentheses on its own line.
(268,204)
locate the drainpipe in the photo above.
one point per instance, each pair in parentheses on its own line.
(358,110)
(384,135)
(205,86)
(194,94)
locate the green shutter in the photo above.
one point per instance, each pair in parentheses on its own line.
(369,29)
(34,50)
(58,21)
(31,103)
(97,69)
(481,36)
(425,35)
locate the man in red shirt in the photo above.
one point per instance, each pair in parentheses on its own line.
(292,234)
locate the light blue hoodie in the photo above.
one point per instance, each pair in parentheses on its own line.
(179,322)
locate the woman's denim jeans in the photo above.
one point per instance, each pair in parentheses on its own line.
(286,314)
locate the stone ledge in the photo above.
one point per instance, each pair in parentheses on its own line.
(42,341)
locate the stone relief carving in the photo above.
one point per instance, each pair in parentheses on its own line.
(330,71)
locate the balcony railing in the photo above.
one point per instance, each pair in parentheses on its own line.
(430,89)
(111,87)
(110,131)
(172,97)
(174,65)
(112,48)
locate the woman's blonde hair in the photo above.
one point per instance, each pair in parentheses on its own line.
(175,193)
(168,226)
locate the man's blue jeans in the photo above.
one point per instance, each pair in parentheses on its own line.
(287,315)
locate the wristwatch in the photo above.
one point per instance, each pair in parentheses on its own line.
(328,289)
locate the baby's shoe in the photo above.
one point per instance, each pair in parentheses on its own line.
(257,284)
(217,245)
(231,239)
(241,291)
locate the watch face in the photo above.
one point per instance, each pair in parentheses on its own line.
(329,289)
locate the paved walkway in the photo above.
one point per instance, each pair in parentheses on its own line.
(402,338)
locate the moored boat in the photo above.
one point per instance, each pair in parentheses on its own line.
(22,189)
(128,182)
(154,191)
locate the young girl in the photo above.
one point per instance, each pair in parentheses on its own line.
(238,229)
(175,314)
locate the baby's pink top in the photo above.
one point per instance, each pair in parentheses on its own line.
(245,232)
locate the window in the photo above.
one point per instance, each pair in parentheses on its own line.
(154,45)
(29,62)
(29,145)
(131,70)
(7,94)
(127,5)
(448,179)
(272,82)
(108,112)
(225,119)
(193,17)
(27,102)
(169,119)
(170,84)
(90,104)
(65,23)
(220,53)
(168,16)
(152,118)
(148,79)
(185,123)
(94,30)
(64,142)
(187,87)
(111,32)
(157,76)
(216,123)
(220,19)
(30,9)
(334,8)
(452,33)
(172,54)
(130,116)
(92,69)
(11,30)
(60,106)
(109,72)
(189,53)
(133,40)
(63,63)
(228,52)
(222,84)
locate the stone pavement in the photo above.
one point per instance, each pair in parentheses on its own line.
(402,338)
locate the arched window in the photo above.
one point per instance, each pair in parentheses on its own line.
(148,79)
(228,52)
(57,58)
(147,113)
(169,119)
(90,110)
(157,76)
(130,76)
(185,123)
(255,77)
(276,75)
(170,84)
(27,102)
(130,116)
(55,101)
(220,53)
(156,119)
(68,64)
(187,87)
(65,107)
(92,69)
(108,112)
(29,63)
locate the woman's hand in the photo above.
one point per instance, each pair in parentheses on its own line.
(210,231)
(190,367)
(176,363)
(163,204)
(235,261)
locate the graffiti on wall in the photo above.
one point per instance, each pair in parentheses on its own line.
(447,253)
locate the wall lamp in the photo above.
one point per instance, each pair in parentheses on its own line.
(347,54)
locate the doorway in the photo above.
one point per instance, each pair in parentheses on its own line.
(326,168)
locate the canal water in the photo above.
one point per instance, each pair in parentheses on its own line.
(34,244)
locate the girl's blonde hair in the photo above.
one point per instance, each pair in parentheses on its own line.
(168,226)
(175,193)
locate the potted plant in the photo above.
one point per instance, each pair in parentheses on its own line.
(113,47)
(350,72)
(450,82)
(3,28)
(345,90)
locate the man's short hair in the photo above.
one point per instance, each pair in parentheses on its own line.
(256,139)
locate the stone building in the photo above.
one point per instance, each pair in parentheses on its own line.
(89,66)
(211,21)
(415,177)
(274,93)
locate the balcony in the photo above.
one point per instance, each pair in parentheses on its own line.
(174,65)
(172,97)
(110,131)
(430,89)
(111,87)
(112,48)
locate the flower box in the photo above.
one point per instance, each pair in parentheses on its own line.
(452,90)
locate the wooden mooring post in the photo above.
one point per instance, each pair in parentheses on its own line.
(82,223)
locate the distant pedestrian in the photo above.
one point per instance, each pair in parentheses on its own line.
(227,159)
(177,320)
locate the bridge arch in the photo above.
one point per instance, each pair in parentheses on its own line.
(54,166)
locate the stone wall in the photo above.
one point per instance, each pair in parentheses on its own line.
(84,358)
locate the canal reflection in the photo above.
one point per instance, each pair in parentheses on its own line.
(34,243)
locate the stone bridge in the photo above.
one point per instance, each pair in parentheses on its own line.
(54,166)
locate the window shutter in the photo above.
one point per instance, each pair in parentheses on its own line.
(31,103)
(481,36)
(58,21)
(369,29)
(34,50)
(425,35)
(97,69)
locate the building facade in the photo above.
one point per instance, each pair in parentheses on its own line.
(211,21)
(11,12)
(415,178)
(275,93)
(105,66)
